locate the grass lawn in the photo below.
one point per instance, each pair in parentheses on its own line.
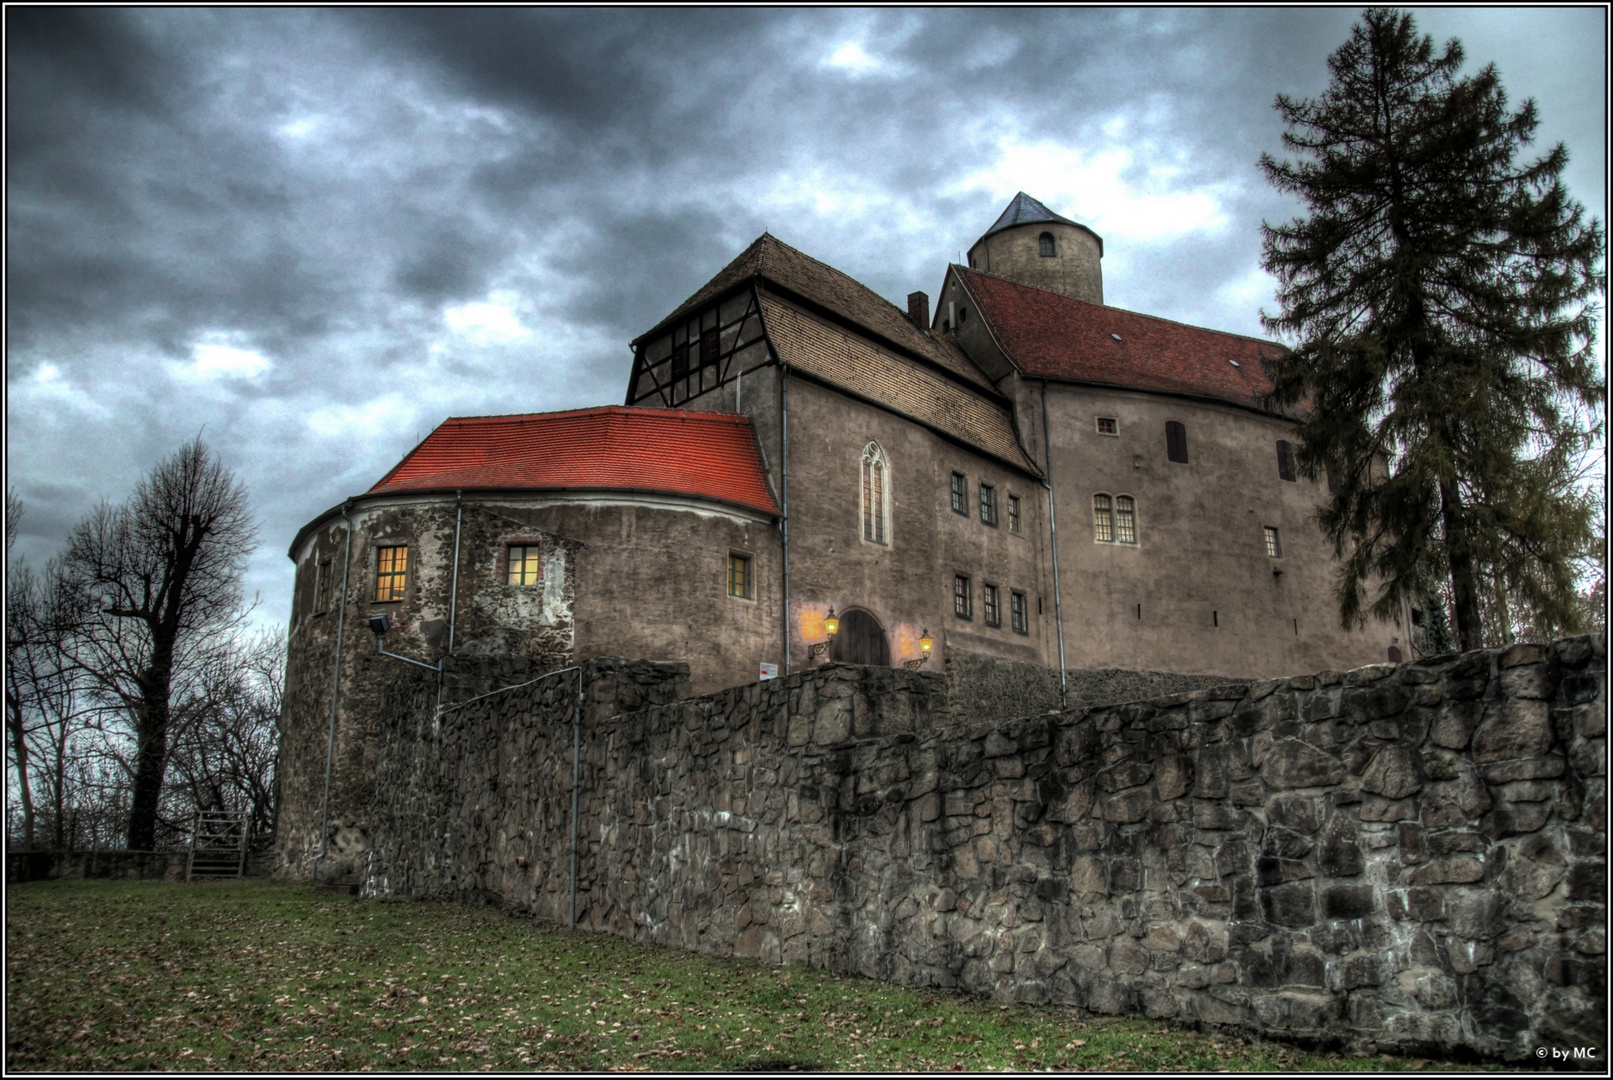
(245,975)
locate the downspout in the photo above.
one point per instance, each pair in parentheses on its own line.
(335,688)
(1053,526)
(784,487)
(576,783)
(453,597)
(453,588)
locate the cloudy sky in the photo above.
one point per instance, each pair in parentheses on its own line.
(315,234)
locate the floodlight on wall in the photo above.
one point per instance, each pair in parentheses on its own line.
(831,626)
(379,625)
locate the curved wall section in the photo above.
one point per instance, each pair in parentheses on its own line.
(1074,269)
(543,580)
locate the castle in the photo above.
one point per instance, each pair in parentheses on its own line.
(803,473)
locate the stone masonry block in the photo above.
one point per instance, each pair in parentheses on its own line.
(1294,764)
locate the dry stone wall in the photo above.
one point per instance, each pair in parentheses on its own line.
(1411,857)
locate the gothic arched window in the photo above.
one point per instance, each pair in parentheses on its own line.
(876,494)
(1044,245)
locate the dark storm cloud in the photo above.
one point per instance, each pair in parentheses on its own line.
(319,232)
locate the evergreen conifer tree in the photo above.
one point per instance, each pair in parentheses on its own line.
(1442,295)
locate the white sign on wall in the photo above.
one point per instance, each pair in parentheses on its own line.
(769,671)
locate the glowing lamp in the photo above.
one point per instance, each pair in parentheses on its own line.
(926,643)
(831,625)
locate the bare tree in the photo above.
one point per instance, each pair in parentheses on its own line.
(44,718)
(13,515)
(223,755)
(160,576)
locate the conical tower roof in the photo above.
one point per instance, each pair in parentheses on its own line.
(1024,210)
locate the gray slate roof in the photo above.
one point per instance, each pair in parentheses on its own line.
(1024,210)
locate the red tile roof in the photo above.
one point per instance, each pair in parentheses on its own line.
(664,451)
(1051,336)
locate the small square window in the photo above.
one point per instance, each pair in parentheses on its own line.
(391,573)
(1020,612)
(1013,514)
(988,504)
(525,565)
(739,576)
(1274,546)
(1108,425)
(960,494)
(991,602)
(962,597)
(327,573)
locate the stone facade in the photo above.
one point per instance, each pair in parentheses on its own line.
(1074,269)
(1411,857)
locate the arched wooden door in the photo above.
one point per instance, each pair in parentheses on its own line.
(861,640)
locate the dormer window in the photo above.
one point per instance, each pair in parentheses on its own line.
(1044,245)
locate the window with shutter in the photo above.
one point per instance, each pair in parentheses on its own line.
(1285,460)
(1175,441)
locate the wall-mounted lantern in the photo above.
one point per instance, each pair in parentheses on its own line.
(831,626)
(926,643)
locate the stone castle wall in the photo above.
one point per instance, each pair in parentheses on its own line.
(1410,856)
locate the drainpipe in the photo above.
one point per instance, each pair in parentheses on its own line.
(1053,526)
(576,783)
(453,597)
(784,487)
(453,588)
(335,687)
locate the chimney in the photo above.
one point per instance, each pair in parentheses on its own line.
(918,309)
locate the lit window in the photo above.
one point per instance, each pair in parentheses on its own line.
(1044,245)
(526,565)
(1285,460)
(1013,513)
(327,572)
(874,493)
(1274,546)
(1125,519)
(739,575)
(962,598)
(988,504)
(1108,425)
(991,602)
(1103,518)
(391,573)
(960,494)
(1175,441)
(1019,612)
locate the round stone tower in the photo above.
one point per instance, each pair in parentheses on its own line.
(1032,244)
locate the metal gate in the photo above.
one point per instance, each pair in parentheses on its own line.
(218,845)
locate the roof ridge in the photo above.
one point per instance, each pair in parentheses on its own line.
(626,410)
(1123,311)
